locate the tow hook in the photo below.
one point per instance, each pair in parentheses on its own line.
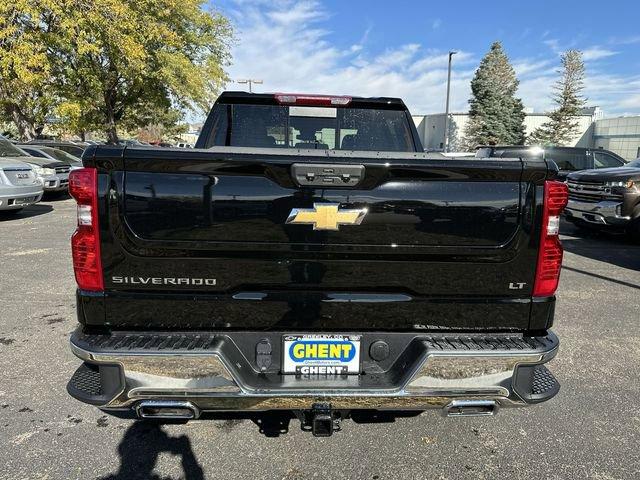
(321,420)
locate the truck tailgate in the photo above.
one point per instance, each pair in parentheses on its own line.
(205,239)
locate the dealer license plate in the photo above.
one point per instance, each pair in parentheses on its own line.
(321,354)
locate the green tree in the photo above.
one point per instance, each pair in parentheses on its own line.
(109,64)
(563,123)
(27,71)
(496,116)
(132,63)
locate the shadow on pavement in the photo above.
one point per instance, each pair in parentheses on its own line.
(621,254)
(27,212)
(56,196)
(603,277)
(140,447)
(614,249)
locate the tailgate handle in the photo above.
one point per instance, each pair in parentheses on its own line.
(323,175)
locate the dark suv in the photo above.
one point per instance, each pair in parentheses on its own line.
(568,159)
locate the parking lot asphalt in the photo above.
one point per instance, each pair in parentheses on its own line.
(590,430)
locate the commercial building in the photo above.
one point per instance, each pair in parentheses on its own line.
(620,135)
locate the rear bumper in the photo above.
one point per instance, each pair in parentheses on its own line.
(212,372)
(605,213)
(16,197)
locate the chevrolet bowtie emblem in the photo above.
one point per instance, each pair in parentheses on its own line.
(326,216)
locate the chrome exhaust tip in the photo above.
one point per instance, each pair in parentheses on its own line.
(471,408)
(167,409)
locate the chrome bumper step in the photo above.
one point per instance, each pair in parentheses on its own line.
(215,372)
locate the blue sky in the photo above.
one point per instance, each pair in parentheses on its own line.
(399,48)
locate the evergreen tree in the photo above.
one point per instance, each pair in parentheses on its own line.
(496,116)
(563,121)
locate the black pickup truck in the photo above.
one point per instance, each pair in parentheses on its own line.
(308,257)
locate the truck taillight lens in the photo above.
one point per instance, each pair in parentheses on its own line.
(85,241)
(556,196)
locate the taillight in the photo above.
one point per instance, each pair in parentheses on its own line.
(556,196)
(311,100)
(85,241)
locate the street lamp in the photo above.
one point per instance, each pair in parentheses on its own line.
(446,111)
(250,82)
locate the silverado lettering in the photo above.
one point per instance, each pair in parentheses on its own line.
(163,281)
(353,270)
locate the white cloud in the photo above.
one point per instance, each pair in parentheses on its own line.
(363,40)
(596,53)
(616,94)
(630,40)
(286,44)
(436,23)
(290,46)
(525,67)
(440,61)
(631,102)
(552,43)
(525,33)
(535,92)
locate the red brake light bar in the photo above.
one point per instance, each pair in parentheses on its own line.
(312,100)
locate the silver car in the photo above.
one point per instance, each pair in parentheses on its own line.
(19,186)
(54,175)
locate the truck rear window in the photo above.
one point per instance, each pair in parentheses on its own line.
(276,126)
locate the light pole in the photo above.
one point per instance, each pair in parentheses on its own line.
(250,82)
(446,110)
